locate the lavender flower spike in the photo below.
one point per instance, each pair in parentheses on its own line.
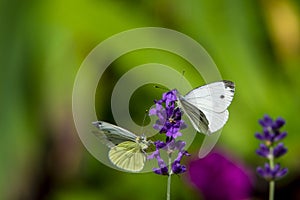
(271,150)
(169,122)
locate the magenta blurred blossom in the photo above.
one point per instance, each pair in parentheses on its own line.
(218,177)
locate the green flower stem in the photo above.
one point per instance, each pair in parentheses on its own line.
(271,190)
(169,177)
(272,182)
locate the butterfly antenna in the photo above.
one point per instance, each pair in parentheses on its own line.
(182,76)
(183,71)
(161,87)
(144,119)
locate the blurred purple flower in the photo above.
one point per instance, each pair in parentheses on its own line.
(271,174)
(270,149)
(271,132)
(220,178)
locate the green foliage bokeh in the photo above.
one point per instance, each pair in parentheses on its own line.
(42,44)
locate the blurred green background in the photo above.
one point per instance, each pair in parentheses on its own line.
(254,43)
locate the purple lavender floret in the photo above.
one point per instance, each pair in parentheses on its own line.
(271,132)
(279,150)
(177,168)
(270,174)
(263,151)
(169,117)
(170,147)
(163,169)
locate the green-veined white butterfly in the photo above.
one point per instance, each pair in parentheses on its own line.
(206,106)
(127,150)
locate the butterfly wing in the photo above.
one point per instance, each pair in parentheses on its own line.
(212,100)
(216,120)
(215,96)
(196,116)
(128,155)
(112,135)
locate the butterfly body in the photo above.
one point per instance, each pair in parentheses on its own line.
(127,150)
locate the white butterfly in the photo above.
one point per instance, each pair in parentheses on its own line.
(127,150)
(206,106)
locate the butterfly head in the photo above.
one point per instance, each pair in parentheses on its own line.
(98,124)
(142,140)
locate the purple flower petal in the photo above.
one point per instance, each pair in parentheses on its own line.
(280,136)
(159,144)
(281,173)
(267,168)
(177,168)
(152,111)
(170,97)
(279,122)
(266,121)
(268,136)
(180,145)
(260,171)
(276,168)
(259,136)
(161,171)
(279,150)
(263,151)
